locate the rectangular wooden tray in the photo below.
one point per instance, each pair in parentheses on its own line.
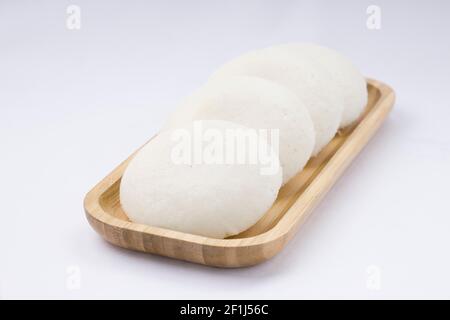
(269,235)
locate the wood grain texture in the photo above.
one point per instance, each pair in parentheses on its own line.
(268,236)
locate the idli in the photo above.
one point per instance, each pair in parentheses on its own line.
(346,78)
(310,83)
(186,180)
(260,104)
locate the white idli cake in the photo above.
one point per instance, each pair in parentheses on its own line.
(308,81)
(260,104)
(346,78)
(160,189)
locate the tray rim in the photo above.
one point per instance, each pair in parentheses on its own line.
(276,237)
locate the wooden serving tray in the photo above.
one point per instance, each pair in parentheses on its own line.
(268,236)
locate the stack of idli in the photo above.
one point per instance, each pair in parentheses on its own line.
(222,156)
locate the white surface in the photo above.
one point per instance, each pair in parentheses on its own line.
(73,104)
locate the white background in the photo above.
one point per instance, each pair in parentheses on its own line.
(75,103)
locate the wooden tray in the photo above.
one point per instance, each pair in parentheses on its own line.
(268,236)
